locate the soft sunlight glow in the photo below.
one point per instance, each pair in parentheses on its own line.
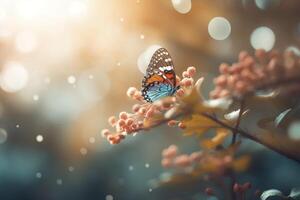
(262,38)
(14,77)
(77,9)
(219,28)
(26,42)
(145,57)
(182,6)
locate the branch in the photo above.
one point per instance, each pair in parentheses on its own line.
(281,144)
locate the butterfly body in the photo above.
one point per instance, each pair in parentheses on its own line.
(160,78)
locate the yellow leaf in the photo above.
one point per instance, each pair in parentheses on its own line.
(149,122)
(218,139)
(198,124)
(241,164)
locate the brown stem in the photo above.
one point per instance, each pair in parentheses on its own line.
(275,142)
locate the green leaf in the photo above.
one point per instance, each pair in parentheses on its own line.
(295,193)
(281,116)
(271,193)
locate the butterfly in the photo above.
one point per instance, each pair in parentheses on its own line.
(160,78)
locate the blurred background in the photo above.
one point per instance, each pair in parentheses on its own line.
(65,66)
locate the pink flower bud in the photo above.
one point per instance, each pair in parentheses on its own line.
(180,92)
(191,71)
(223,68)
(131,91)
(149,113)
(166,163)
(136,107)
(129,122)
(121,122)
(185,74)
(112,120)
(181,125)
(123,115)
(196,156)
(105,133)
(182,161)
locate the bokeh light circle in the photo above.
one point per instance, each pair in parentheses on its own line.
(294,130)
(14,77)
(145,57)
(219,28)
(262,38)
(182,6)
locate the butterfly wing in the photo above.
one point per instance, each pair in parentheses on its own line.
(162,61)
(160,79)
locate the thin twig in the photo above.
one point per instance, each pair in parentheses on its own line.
(255,138)
(234,133)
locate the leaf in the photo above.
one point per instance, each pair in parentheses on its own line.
(198,124)
(269,193)
(241,163)
(281,116)
(149,122)
(220,103)
(233,116)
(295,193)
(218,139)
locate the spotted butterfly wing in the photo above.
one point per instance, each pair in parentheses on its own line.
(160,78)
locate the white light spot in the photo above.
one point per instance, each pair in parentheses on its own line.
(59,181)
(294,130)
(182,6)
(265,4)
(3,136)
(121,19)
(26,42)
(262,38)
(91,76)
(119,64)
(142,36)
(147,165)
(71,79)
(219,28)
(35,97)
(109,197)
(17,125)
(145,57)
(39,138)
(83,151)
(38,175)
(14,77)
(71,168)
(150,189)
(92,140)
(130,168)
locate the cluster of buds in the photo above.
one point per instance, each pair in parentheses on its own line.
(238,189)
(254,73)
(171,159)
(216,163)
(129,123)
